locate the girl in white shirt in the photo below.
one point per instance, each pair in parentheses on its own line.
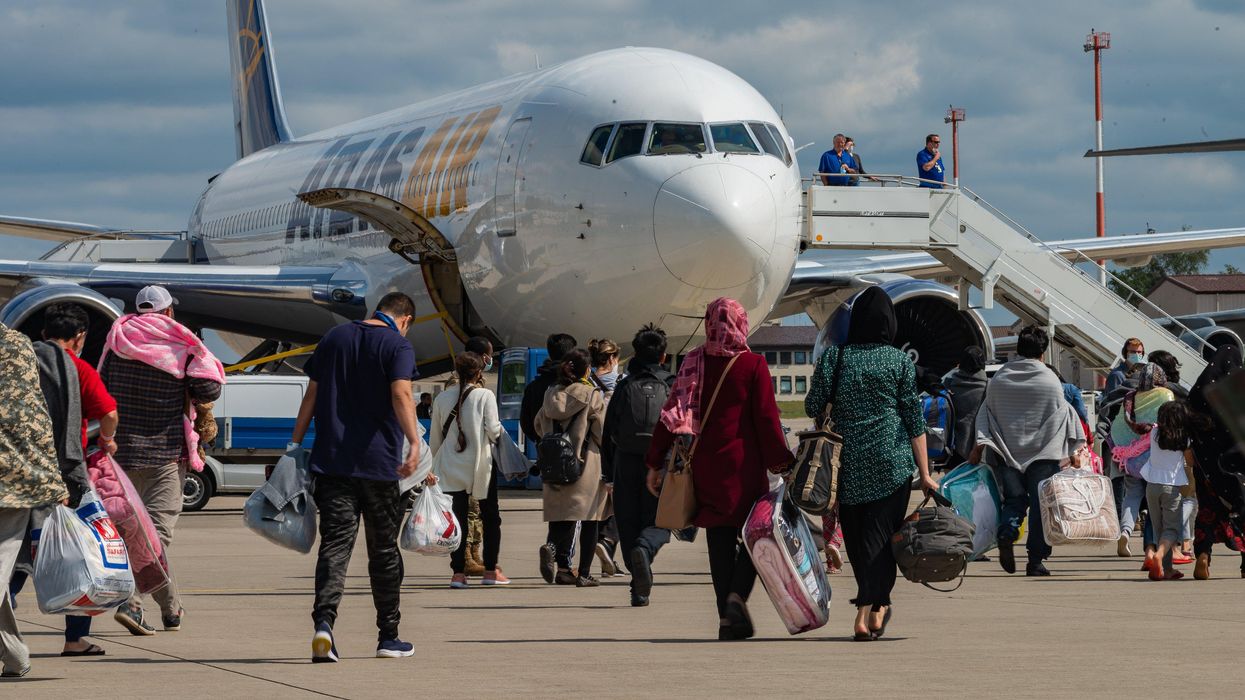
(464,427)
(1165,472)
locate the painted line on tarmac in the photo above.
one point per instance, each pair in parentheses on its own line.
(110,640)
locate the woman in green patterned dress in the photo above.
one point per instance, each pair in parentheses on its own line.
(876,410)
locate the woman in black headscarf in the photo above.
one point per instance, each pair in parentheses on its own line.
(876,410)
(1218,472)
(967,386)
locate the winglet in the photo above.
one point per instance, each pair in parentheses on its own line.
(258,114)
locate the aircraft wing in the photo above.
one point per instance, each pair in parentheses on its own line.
(1192,147)
(49,230)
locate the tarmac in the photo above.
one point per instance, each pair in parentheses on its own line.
(1096,628)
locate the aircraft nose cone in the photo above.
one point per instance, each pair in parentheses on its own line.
(715,225)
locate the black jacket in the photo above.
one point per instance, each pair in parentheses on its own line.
(534,396)
(617,405)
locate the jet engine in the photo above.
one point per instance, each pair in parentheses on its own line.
(1216,336)
(25,311)
(932,328)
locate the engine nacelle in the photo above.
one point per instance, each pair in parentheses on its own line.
(932,328)
(1216,336)
(24,313)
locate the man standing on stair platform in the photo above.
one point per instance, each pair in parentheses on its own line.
(929,163)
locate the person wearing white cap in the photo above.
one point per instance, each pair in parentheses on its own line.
(158,370)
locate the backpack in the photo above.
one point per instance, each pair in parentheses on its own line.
(814,484)
(556,459)
(934,544)
(642,396)
(940,421)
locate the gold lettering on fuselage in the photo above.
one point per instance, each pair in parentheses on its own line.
(438,180)
(468,147)
(419,184)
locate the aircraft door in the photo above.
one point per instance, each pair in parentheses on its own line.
(508,177)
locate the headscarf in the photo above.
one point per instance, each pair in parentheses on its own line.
(1152,376)
(726,335)
(973,360)
(1226,360)
(872,319)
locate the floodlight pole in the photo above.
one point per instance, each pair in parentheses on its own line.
(955,115)
(1097,42)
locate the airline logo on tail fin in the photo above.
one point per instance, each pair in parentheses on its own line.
(259,117)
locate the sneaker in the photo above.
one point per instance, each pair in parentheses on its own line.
(394,649)
(323,648)
(641,574)
(1121,547)
(586,582)
(495,578)
(1036,568)
(172,622)
(132,620)
(565,578)
(16,674)
(638,601)
(608,567)
(458,581)
(1007,557)
(547,567)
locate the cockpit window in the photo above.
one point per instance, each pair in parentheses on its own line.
(628,142)
(768,144)
(782,143)
(732,138)
(594,151)
(670,139)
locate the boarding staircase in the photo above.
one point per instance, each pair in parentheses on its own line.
(1060,289)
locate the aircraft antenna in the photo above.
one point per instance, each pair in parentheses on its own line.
(1097,42)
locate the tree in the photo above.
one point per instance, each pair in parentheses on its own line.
(1143,278)
(1231,269)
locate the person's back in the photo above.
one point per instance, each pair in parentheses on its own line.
(557,345)
(968,391)
(1024,405)
(30,477)
(150,404)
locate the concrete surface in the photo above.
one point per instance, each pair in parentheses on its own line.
(1096,628)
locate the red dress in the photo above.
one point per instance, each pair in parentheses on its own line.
(742,439)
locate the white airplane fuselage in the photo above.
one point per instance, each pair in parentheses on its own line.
(544,242)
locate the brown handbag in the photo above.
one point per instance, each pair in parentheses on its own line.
(814,477)
(676,506)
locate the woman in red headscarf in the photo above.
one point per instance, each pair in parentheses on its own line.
(739,440)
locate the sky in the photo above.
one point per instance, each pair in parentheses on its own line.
(117,113)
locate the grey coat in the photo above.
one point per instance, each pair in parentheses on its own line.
(580,410)
(967,393)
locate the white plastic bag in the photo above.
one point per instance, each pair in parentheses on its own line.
(431,528)
(425,462)
(81,565)
(511,461)
(282,511)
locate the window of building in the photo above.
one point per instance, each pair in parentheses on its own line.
(673,139)
(628,142)
(801,385)
(771,358)
(732,138)
(784,358)
(784,385)
(801,357)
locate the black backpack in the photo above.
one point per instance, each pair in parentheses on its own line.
(642,396)
(934,544)
(556,459)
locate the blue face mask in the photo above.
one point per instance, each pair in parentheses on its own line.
(488,366)
(609,379)
(382,316)
(1136,358)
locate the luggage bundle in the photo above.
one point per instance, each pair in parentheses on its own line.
(128,513)
(282,510)
(431,527)
(940,426)
(81,565)
(974,494)
(934,544)
(1078,507)
(786,559)
(511,461)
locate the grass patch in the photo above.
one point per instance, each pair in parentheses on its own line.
(791,409)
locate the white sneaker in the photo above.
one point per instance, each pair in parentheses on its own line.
(1121,547)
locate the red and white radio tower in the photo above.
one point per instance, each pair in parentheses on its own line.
(1098,42)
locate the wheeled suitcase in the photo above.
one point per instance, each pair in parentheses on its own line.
(786,559)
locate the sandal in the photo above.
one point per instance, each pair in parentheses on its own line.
(91,650)
(877,633)
(863,637)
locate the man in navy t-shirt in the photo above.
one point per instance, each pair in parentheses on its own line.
(361,398)
(838,160)
(929,163)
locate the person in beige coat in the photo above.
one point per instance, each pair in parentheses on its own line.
(579,410)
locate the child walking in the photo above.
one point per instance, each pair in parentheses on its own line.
(1165,473)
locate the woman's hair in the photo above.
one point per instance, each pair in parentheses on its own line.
(573,367)
(467,366)
(1176,425)
(1169,363)
(602,349)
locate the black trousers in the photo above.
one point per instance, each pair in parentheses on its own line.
(635,509)
(562,534)
(490,518)
(867,531)
(341,502)
(730,565)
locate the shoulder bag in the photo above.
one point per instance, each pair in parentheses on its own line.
(934,544)
(676,506)
(814,480)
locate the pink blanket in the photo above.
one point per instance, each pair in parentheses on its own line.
(159,341)
(126,510)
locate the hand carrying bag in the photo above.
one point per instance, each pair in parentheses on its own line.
(676,506)
(934,544)
(814,484)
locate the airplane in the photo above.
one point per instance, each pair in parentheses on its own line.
(626,187)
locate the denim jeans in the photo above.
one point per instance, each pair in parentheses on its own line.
(1020,493)
(1131,508)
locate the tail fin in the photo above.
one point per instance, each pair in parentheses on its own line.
(258,115)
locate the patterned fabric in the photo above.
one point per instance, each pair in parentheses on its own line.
(726,335)
(29,475)
(876,411)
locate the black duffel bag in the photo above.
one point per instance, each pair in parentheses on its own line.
(814,475)
(934,544)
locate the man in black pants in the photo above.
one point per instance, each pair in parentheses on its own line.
(558,345)
(629,422)
(361,398)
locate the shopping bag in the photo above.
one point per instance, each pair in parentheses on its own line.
(511,461)
(282,510)
(81,566)
(129,514)
(425,461)
(975,495)
(431,527)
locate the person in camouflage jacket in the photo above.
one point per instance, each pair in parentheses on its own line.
(29,475)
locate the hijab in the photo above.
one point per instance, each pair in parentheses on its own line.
(1226,360)
(973,360)
(726,335)
(872,319)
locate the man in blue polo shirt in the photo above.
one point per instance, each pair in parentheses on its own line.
(360,396)
(839,160)
(929,163)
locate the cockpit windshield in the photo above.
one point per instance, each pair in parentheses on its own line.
(669,139)
(768,144)
(732,138)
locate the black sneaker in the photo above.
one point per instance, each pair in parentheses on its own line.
(173,622)
(547,566)
(1036,568)
(638,601)
(641,574)
(1007,557)
(133,621)
(394,649)
(323,648)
